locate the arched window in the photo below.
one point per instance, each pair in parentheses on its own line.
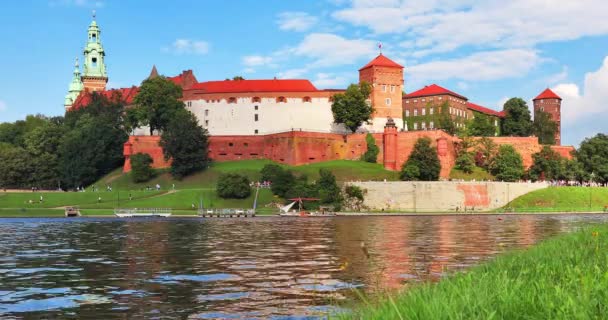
(232,100)
(281,99)
(306,99)
(256,99)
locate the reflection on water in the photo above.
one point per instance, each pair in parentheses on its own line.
(239,268)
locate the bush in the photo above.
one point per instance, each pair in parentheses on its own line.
(508,164)
(465,162)
(233,186)
(282,180)
(141,170)
(371,155)
(329,192)
(270,171)
(353,197)
(423,163)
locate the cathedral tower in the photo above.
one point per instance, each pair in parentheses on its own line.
(76,87)
(94,75)
(551,103)
(386,78)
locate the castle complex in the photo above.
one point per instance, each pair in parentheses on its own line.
(290,120)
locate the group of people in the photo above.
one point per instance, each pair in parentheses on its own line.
(263,184)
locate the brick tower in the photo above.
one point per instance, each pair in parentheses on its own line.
(550,103)
(386,78)
(94,76)
(390,145)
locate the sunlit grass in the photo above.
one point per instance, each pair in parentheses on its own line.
(561,278)
(562,199)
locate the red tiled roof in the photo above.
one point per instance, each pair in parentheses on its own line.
(433,90)
(273,85)
(124,94)
(484,110)
(382,61)
(547,94)
(177,80)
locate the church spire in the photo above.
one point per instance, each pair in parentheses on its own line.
(75,88)
(94,75)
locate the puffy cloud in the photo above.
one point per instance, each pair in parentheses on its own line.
(329,49)
(487,65)
(188,46)
(445,25)
(326,80)
(584,111)
(293,73)
(296,21)
(256,60)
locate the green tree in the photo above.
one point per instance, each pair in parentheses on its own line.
(593,155)
(282,182)
(351,108)
(508,165)
(485,153)
(353,197)
(141,169)
(371,155)
(329,191)
(185,142)
(155,104)
(517,121)
(445,121)
(547,165)
(42,144)
(544,128)
(465,162)
(574,171)
(270,171)
(423,163)
(481,126)
(233,186)
(15,167)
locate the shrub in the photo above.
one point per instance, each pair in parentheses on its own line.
(141,169)
(371,155)
(465,162)
(282,180)
(508,164)
(233,186)
(353,197)
(423,163)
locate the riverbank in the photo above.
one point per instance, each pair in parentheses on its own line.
(563,199)
(561,278)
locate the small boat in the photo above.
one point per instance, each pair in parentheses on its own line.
(72,212)
(143,213)
(285,211)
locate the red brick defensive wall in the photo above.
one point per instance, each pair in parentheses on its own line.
(302,147)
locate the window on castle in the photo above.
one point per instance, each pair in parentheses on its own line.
(496,122)
(306,99)
(281,100)
(206,112)
(255,117)
(423,111)
(415,112)
(94,38)
(432,125)
(255,108)
(431,110)
(423,126)
(256,99)
(415,125)
(392,88)
(94,62)
(388,101)
(230,144)
(206,123)
(407,113)
(383,88)
(232,100)
(255,131)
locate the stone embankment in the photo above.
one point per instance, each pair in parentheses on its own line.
(442,196)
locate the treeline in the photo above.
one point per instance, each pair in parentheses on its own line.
(87,143)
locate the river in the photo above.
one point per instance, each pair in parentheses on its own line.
(278,268)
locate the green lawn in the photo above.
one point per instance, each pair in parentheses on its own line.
(562,199)
(478,174)
(561,278)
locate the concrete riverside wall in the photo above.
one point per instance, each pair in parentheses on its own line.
(442,196)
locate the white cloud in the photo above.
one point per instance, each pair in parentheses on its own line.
(325,80)
(584,112)
(296,21)
(445,25)
(3,106)
(77,3)
(329,49)
(487,65)
(292,73)
(188,46)
(249,70)
(255,60)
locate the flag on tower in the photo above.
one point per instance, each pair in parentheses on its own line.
(380,46)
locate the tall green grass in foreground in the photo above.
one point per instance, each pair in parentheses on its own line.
(561,278)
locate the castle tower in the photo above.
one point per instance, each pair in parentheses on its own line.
(551,103)
(76,87)
(94,75)
(386,78)
(390,145)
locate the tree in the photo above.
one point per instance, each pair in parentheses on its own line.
(544,128)
(329,191)
(547,165)
(141,167)
(185,142)
(465,162)
(371,155)
(485,153)
(233,186)
(445,121)
(282,182)
(270,171)
(42,144)
(593,155)
(15,167)
(508,165)
(574,171)
(423,163)
(517,121)
(353,197)
(481,126)
(156,104)
(351,108)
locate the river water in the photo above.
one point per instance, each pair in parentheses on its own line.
(278,268)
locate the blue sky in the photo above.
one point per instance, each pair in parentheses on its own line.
(486,50)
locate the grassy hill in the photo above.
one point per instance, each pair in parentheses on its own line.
(191,190)
(478,174)
(562,199)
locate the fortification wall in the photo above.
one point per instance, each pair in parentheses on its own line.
(441,196)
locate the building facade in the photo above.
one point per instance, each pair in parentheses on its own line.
(550,103)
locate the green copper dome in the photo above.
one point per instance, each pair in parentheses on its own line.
(94,64)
